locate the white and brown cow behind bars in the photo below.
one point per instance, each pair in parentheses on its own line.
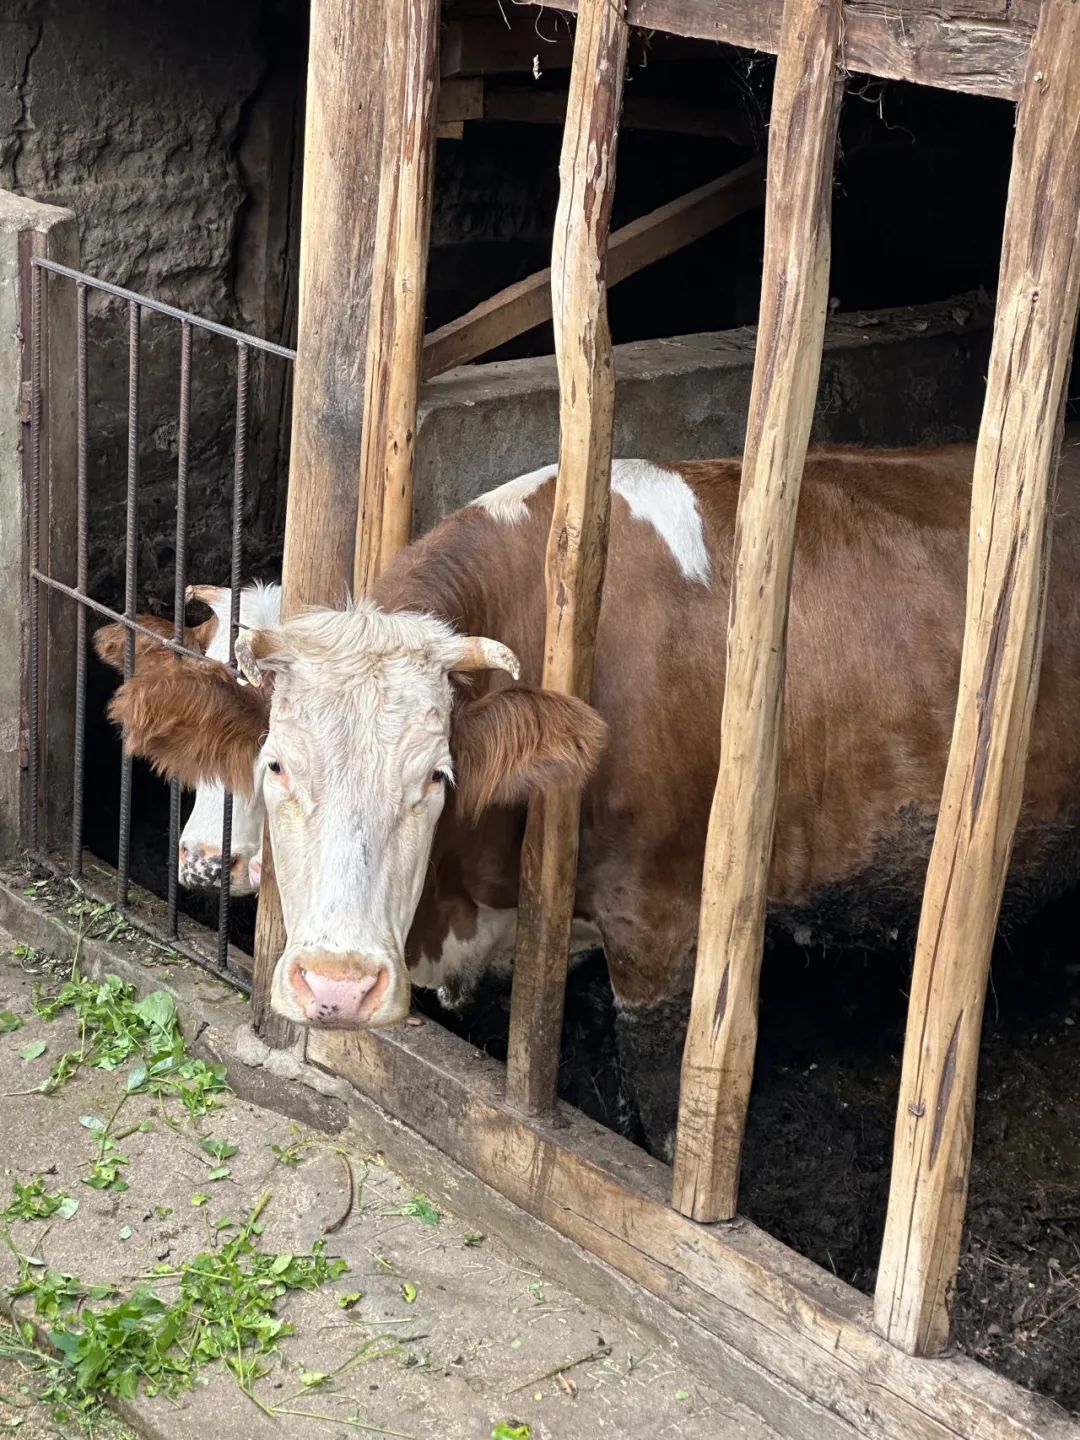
(396,743)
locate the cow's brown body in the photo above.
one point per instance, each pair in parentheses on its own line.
(874,647)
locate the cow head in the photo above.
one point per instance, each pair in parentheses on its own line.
(199,861)
(369,731)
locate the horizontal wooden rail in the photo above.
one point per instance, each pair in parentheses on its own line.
(977,46)
(662,232)
(718,1061)
(1008,553)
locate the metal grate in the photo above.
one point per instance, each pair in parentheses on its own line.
(244,344)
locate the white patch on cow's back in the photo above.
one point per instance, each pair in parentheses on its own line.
(506,503)
(664,500)
(661,498)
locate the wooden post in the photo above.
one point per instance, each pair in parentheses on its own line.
(718,1060)
(577,541)
(1009,544)
(341,164)
(396,327)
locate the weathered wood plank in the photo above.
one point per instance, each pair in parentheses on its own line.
(661,232)
(804,1332)
(577,542)
(977,46)
(398,286)
(343,131)
(718,1060)
(1008,552)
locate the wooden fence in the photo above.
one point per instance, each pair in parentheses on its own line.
(809,1335)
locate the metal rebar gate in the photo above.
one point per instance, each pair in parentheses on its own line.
(43,273)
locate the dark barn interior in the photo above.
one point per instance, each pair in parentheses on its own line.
(184,170)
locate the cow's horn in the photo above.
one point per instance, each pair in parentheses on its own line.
(209,594)
(246,661)
(479,653)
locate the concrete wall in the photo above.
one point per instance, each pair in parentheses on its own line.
(889,377)
(170,131)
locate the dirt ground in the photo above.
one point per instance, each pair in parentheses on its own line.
(467,1336)
(819,1140)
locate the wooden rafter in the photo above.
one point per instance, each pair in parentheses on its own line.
(526,303)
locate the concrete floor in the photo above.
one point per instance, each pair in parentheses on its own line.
(478,1344)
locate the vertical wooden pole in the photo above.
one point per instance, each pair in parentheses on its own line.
(718,1059)
(396,326)
(1009,544)
(342,139)
(577,541)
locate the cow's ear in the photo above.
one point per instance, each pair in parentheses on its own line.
(511,743)
(110,641)
(192,721)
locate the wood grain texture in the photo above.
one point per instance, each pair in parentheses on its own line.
(398,286)
(976,46)
(342,137)
(518,307)
(805,1334)
(577,542)
(718,1059)
(1008,553)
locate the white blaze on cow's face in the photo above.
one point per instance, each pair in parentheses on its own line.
(354,773)
(199,863)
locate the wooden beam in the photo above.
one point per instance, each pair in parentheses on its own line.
(977,46)
(775,1319)
(1008,552)
(718,1060)
(577,541)
(342,137)
(640,112)
(399,281)
(460,99)
(526,303)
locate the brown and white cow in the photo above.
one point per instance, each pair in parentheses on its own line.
(395,745)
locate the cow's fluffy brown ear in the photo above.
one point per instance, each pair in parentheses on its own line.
(110,641)
(513,742)
(192,721)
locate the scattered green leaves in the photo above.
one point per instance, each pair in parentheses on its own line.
(473,1237)
(421,1208)
(510,1430)
(682,1394)
(199,1198)
(31,1052)
(219,1150)
(9,1022)
(33,1202)
(225,1309)
(408,1292)
(352,1298)
(536,1290)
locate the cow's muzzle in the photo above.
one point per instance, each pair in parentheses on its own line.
(199,868)
(343,990)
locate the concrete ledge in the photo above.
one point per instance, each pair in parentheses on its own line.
(889,377)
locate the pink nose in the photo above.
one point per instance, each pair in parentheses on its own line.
(337,990)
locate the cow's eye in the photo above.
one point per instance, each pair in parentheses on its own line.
(438,777)
(274,767)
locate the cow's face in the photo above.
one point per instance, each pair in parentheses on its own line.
(199,860)
(368,732)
